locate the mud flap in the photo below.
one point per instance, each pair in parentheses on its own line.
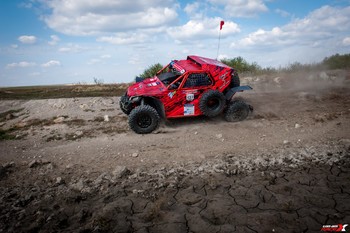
(234,90)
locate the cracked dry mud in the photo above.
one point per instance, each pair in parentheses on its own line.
(285,169)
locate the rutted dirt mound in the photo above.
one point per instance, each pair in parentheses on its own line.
(73,165)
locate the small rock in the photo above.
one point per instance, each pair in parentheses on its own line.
(285,142)
(44,161)
(135,155)
(9,116)
(106,118)
(346,143)
(59,180)
(69,165)
(297,126)
(58,120)
(79,133)
(34,163)
(8,165)
(120,171)
(219,136)
(49,166)
(59,105)
(137,191)
(21,124)
(104,176)
(277,80)
(195,133)
(324,76)
(83,106)
(79,186)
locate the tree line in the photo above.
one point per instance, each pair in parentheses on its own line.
(242,66)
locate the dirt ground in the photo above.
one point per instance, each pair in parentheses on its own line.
(73,165)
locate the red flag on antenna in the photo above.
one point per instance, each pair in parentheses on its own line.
(221,24)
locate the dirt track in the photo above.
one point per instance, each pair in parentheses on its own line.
(76,166)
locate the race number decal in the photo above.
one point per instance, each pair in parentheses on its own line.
(189,97)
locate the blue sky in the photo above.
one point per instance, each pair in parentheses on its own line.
(74,41)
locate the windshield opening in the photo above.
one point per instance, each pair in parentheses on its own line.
(168,75)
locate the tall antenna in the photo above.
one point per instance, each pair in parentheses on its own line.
(221,24)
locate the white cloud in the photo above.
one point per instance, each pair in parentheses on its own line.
(71,48)
(346,41)
(320,25)
(93,61)
(27,5)
(100,59)
(105,56)
(241,8)
(199,29)
(51,63)
(191,8)
(282,13)
(25,39)
(54,40)
(124,38)
(135,60)
(22,64)
(14,46)
(34,74)
(91,17)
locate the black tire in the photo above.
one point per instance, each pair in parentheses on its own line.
(212,103)
(123,99)
(235,82)
(237,111)
(143,119)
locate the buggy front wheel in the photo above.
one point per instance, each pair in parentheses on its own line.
(143,119)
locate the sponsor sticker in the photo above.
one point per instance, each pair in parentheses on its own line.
(171,94)
(188,109)
(334,228)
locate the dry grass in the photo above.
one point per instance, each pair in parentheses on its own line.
(62,91)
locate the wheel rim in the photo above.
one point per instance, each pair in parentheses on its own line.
(213,104)
(144,121)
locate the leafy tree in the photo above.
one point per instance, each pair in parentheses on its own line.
(151,70)
(337,61)
(241,65)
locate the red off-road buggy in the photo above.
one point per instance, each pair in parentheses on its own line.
(192,87)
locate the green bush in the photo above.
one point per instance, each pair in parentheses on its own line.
(337,61)
(242,66)
(151,71)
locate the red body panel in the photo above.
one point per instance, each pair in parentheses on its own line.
(184,101)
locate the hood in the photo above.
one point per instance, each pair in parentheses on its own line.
(147,87)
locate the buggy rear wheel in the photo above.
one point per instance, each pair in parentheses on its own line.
(212,103)
(237,111)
